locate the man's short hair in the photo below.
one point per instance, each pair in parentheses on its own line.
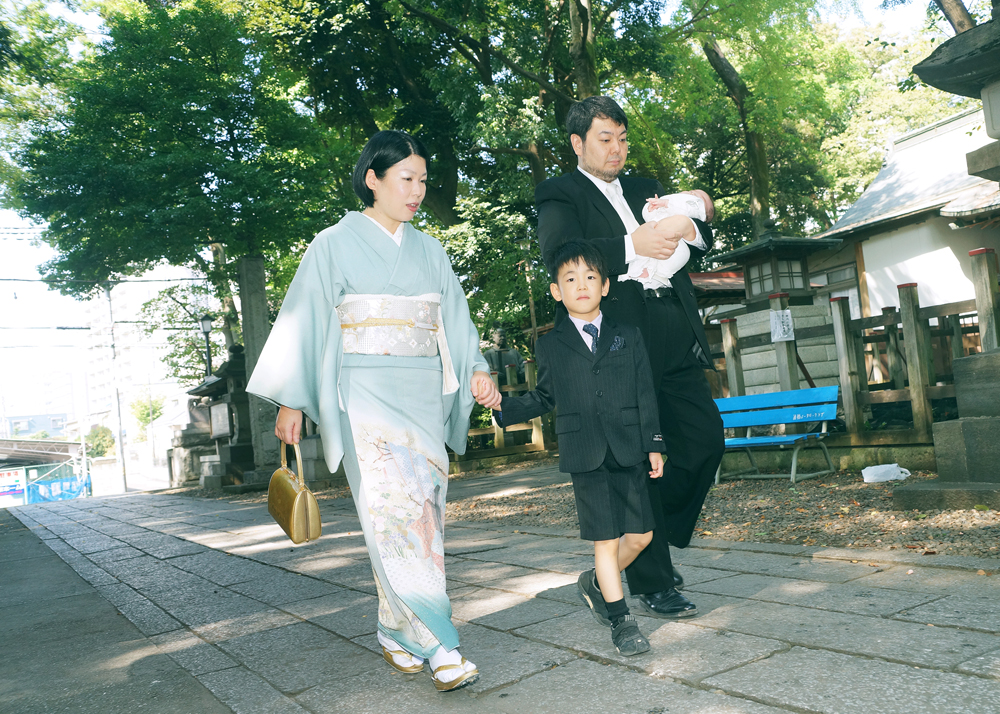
(575,252)
(582,114)
(383,151)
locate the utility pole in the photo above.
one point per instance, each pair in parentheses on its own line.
(117,411)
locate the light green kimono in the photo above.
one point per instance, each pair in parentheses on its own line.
(387,416)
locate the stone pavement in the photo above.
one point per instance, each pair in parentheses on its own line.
(221,612)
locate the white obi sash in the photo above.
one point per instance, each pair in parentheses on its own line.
(398,325)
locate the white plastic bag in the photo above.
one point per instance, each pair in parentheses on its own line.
(884,472)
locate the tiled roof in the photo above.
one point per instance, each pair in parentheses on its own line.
(924,170)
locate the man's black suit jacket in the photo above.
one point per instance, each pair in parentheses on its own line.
(605,400)
(571,207)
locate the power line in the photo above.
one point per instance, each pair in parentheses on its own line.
(51,281)
(44,328)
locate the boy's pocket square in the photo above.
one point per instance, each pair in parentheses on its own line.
(617,343)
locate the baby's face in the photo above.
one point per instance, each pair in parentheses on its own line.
(706,199)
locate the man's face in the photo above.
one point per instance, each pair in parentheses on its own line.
(603,151)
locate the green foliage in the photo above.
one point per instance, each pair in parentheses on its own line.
(174,314)
(146,410)
(40,435)
(100,442)
(35,62)
(179,132)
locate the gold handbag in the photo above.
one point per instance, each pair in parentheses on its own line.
(291,504)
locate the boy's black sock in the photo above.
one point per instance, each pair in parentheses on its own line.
(617,610)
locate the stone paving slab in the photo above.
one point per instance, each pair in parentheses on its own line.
(220,568)
(943,581)
(300,656)
(848,597)
(801,567)
(382,690)
(802,679)
(585,686)
(192,653)
(502,658)
(680,650)
(348,613)
(867,636)
(986,666)
(533,582)
(506,611)
(247,693)
(479,571)
(538,556)
(974,613)
(280,587)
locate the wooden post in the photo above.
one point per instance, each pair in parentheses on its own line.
(784,352)
(734,360)
(497,429)
(895,360)
(916,369)
(847,358)
(984,278)
(511,373)
(531,377)
(957,339)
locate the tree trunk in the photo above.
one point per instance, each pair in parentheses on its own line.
(957,14)
(581,48)
(256,328)
(736,88)
(230,318)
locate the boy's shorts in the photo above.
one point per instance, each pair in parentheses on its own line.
(613,500)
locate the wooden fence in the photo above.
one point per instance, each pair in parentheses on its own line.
(896,348)
(499,441)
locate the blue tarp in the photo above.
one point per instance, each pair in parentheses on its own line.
(53,488)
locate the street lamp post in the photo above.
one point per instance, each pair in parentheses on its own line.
(206,329)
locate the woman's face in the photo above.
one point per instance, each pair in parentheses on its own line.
(399,193)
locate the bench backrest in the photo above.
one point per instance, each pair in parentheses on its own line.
(797,405)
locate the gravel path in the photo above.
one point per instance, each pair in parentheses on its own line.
(839,510)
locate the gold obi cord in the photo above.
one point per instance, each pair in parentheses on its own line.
(389,325)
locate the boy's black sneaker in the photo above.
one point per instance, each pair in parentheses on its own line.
(627,638)
(591,594)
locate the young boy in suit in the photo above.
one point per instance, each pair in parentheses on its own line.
(597,374)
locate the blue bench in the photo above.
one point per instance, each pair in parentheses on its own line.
(792,407)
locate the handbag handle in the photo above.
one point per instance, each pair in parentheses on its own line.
(298,462)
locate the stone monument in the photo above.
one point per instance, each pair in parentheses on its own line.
(967,450)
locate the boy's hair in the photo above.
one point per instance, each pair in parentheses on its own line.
(576,251)
(582,114)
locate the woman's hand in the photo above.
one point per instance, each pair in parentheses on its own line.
(656,461)
(288,426)
(485,392)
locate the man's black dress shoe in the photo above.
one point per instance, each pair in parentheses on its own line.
(668,604)
(678,579)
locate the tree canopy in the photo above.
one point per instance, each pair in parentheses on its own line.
(201,131)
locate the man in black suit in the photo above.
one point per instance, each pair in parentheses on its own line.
(593,204)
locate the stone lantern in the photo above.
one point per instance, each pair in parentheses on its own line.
(776,264)
(968,64)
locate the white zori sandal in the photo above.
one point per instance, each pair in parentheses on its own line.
(453,671)
(398,658)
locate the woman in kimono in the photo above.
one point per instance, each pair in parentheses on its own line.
(374,343)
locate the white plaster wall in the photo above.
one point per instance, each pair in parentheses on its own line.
(930,254)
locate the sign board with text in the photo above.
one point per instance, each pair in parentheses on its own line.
(12,487)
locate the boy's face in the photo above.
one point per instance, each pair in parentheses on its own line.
(580,289)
